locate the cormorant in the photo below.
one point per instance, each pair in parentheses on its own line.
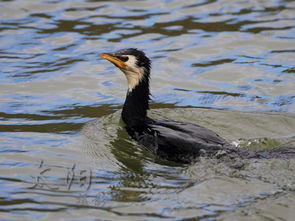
(176,141)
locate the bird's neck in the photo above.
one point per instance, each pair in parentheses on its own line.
(135,108)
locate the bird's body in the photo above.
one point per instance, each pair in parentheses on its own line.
(177,141)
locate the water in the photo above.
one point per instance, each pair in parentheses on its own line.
(227,65)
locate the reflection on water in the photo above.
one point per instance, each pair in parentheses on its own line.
(236,55)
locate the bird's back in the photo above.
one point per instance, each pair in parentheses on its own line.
(177,141)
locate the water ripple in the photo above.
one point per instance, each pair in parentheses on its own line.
(208,54)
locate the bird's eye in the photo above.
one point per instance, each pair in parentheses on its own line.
(123,58)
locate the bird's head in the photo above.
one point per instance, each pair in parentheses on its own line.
(133,63)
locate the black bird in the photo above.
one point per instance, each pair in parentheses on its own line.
(172,140)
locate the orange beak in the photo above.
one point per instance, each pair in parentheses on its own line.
(114,60)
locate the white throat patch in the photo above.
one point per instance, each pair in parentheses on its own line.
(133,73)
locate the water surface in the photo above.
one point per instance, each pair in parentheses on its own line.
(227,65)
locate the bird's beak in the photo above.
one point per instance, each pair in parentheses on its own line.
(114,60)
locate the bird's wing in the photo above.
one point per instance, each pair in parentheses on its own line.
(177,141)
(189,130)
